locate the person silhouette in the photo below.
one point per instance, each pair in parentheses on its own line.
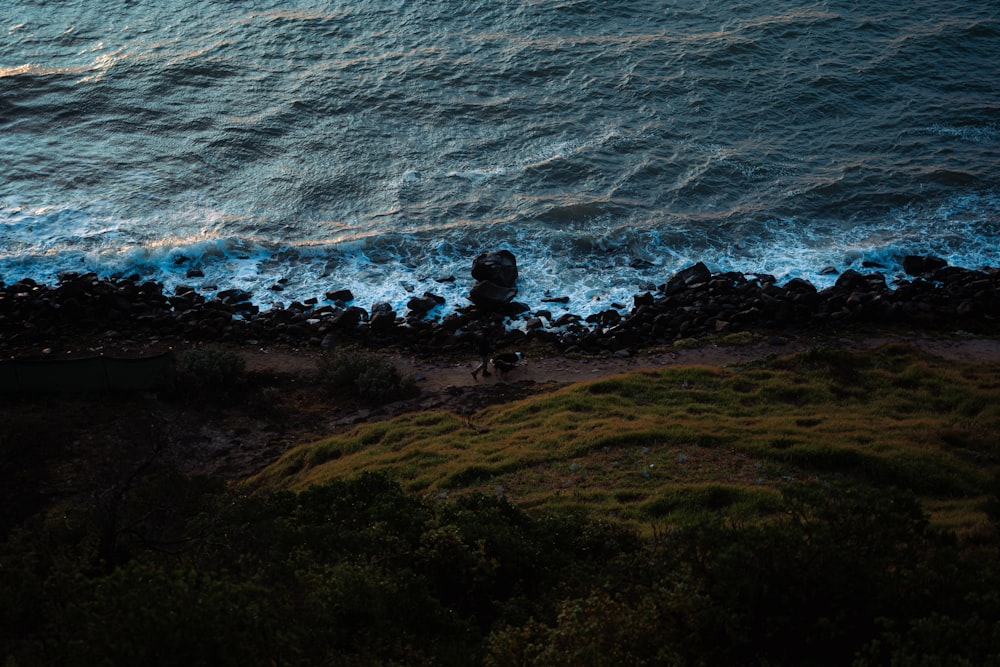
(483,343)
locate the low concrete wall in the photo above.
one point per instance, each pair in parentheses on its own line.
(87,374)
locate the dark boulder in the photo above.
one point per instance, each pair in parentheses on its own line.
(233,296)
(515,308)
(73,285)
(382,321)
(643,299)
(498,266)
(421,304)
(915,265)
(605,318)
(341,295)
(349,318)
(491,296)
(956,276)
(854,281)
(800,286)
(692,275)
(566,319)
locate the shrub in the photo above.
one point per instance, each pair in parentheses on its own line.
(366,375)
(212,366)
(736,339)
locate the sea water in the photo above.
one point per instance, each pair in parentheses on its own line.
(293,147)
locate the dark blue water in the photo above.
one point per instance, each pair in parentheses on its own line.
(380,145)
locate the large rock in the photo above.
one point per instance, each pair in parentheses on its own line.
(855,281)
(490,296)
(800,286)
(422,304)
(498,266)
(340,295)
(692,275)
(382,321)
(916,265)
(234,296)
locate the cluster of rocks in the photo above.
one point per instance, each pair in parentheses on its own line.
(496,286)
(694,302)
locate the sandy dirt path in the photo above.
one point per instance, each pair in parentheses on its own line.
(435,375)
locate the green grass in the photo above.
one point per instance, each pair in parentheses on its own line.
(663,445)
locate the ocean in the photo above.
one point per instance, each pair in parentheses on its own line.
(292,148)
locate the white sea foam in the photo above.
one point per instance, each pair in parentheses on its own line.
(594,276)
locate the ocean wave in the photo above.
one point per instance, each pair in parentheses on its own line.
(380,146)
(594,271)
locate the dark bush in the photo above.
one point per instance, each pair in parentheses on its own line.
(361,572)
(210,367)
(365,375)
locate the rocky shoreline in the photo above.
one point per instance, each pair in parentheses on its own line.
(84,311)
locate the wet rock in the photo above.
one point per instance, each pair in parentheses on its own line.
(340,295)
(422,304)
(799,285)
(692,275)
(234,296)
(565,319)
(699,304)
(382,321)
(454,321)
(915,265)
(492,297)
(605,318)
(498,267)
(349,318)
(643,299)
(854,281)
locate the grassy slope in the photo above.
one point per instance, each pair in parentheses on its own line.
(660,446)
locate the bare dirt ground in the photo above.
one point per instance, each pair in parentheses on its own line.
(437,375)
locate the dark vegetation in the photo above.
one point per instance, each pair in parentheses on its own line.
(212,367)
(354,372)
(360,572)
(842,552)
